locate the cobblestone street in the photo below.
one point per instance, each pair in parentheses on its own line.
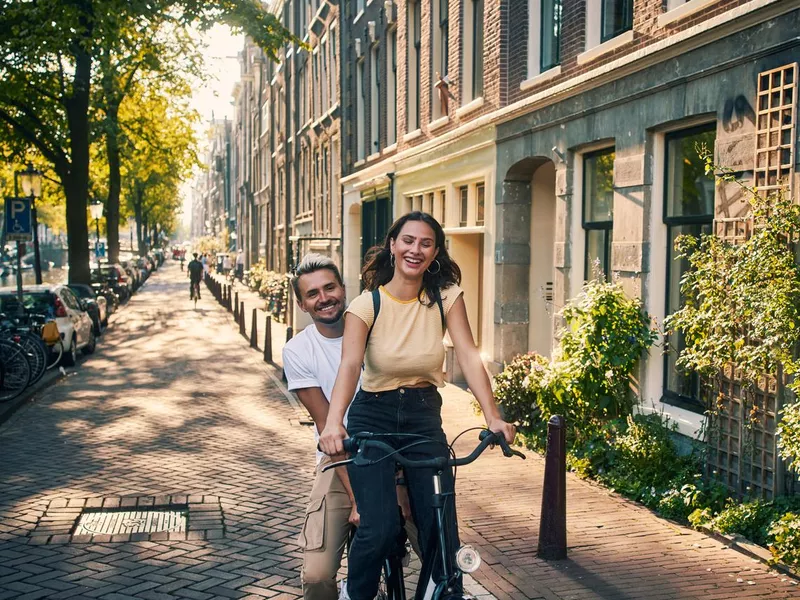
(176,408)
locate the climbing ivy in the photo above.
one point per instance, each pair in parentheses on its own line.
(742,302)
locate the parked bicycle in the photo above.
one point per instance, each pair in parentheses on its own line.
(450,566)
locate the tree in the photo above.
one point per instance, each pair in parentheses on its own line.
(48,56)
(158,153)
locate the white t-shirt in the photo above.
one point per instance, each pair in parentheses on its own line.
(312,360)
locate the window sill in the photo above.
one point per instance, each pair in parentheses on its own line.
(389,148)
(358,163)
(358,16)
(682,11)
(605,47)
(410,137)
(438,123)
(372,157)
(540,78)
(469,107)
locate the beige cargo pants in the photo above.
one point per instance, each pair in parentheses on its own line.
(325,535)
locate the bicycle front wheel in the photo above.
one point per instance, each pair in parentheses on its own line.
(36,350)
(17,370)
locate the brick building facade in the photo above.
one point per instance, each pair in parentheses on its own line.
(547,136)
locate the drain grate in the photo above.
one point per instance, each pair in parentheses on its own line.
(178,517)
(112,522)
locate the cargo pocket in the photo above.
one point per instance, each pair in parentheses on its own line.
(312,536)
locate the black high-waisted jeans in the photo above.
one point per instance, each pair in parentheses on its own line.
(405,410)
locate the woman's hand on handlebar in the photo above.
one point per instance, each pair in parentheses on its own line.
(330,440)
(497,425)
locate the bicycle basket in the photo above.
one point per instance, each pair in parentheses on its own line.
(50,332)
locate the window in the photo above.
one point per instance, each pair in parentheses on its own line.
(441,31)
(598,211)
(323,83)
(463,196)
(376,217)
(477,48)
(616,18)
(334,64)
(550,55)
(359,123)
(391,89)
(413,66)
(444,34)
(472,49)
(688,210)
(374,96)
(480,192)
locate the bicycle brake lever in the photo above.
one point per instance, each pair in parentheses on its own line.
(341,463)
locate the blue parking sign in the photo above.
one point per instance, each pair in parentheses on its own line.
(18,219)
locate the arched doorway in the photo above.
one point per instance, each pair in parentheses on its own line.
(528,218)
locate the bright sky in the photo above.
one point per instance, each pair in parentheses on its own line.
(214,98)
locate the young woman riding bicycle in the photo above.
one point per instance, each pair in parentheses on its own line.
(402,354)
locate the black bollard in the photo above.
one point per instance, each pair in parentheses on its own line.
(254,330)
(241,319)
(225,295)
(236,308)
(229,305)
(268,339)
(553,522)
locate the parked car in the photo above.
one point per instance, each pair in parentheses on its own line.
(112,300)
(133,273)
(96,305)
(144,267)
(116,278)
(58,303)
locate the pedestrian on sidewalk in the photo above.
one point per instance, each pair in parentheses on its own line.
(395,330)
(311,361)
(240,265)
(194,271)
(226,265)
(204,261)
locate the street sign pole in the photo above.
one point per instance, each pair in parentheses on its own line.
(18,228)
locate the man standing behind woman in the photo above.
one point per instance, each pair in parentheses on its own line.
(402,355)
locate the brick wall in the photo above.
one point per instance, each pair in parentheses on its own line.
(645,30)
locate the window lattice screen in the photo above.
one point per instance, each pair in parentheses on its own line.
(775,129)
(742,449)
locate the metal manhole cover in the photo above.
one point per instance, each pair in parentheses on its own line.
(112,522)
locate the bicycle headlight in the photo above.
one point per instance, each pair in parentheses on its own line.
(468,559)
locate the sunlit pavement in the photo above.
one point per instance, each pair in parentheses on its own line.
(174,408)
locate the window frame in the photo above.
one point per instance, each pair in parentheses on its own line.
(542,5)
(444,35)
(477,48)
(588,226)
(668,396)
(627,25)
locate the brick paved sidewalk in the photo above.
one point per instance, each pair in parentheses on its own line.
(174,405)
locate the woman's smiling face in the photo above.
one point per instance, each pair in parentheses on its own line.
(414,249)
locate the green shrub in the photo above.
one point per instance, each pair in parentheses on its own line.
(789,435)
(515,395)
(750,519)
(647,450)
(784,534)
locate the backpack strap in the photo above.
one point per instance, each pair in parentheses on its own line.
(376,309)
(437,295)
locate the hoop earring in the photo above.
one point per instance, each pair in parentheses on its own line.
(438,264)
(391,260)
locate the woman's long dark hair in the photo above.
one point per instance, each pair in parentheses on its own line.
(379,271)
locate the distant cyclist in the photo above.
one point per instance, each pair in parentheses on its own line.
(195,271)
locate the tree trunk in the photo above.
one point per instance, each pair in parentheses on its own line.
(76,184)
(114,181)
(137,211)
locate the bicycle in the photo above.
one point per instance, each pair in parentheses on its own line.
(466,559)
(195,292)
(15,370)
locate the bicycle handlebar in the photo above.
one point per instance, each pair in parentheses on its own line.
(360,441)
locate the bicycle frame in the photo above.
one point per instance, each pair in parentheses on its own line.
(444,589)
